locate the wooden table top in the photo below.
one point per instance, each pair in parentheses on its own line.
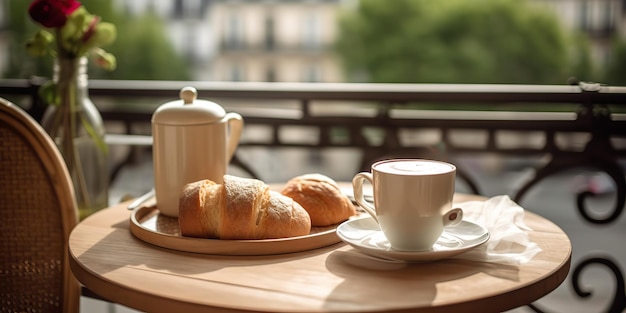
(118,266)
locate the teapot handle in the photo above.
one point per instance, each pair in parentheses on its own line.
(235,128)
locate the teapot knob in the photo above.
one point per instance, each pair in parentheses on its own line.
(188,94)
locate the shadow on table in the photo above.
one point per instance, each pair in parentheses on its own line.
(111,256)
(418,281)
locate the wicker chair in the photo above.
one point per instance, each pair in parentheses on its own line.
(37,213)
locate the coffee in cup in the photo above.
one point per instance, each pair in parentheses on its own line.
(412,200)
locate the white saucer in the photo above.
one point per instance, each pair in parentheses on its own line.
(365,235)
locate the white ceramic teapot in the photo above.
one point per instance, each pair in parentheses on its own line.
(193,140)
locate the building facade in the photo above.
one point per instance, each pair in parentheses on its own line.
(599,20)
(287,41)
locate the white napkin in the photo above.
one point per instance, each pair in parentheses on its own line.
(508,242)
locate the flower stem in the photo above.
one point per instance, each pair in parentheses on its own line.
(67,80)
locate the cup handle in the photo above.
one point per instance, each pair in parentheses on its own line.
(453,217)
(357,189)
(235,128)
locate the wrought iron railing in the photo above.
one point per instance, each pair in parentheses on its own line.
(380,121)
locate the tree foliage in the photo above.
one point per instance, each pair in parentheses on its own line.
(616,70)
(145,52)
(141,48)
(457,41)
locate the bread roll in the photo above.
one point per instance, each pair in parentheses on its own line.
(321,197)
(241,208)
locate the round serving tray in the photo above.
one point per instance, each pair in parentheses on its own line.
(150,226)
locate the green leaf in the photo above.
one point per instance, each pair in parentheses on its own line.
(38,45)
(48,93)
(104,34)
(105,60)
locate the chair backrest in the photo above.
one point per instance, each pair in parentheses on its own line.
(37,212)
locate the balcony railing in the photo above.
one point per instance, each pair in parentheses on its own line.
(381,119)
(573,126)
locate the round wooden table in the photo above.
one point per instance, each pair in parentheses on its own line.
(110,261)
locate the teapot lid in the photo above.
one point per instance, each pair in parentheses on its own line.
(188,110)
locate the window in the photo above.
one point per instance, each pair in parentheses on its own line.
(233,31)
(311,31)
(236,72)
(583,16)
(269,33)
(270,74)
(607,19)
(312,74)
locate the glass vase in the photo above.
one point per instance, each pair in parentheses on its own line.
(76,126)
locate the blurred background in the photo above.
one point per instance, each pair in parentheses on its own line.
(452,41)
(537,42)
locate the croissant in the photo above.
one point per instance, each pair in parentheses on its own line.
(240,208)
(321,197)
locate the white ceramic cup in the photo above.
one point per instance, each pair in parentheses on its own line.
(412,200)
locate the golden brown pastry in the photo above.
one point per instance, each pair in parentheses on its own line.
(321,197)
(241,208)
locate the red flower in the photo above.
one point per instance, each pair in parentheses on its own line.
(52,13)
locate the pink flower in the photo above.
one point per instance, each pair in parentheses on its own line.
(52,13)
